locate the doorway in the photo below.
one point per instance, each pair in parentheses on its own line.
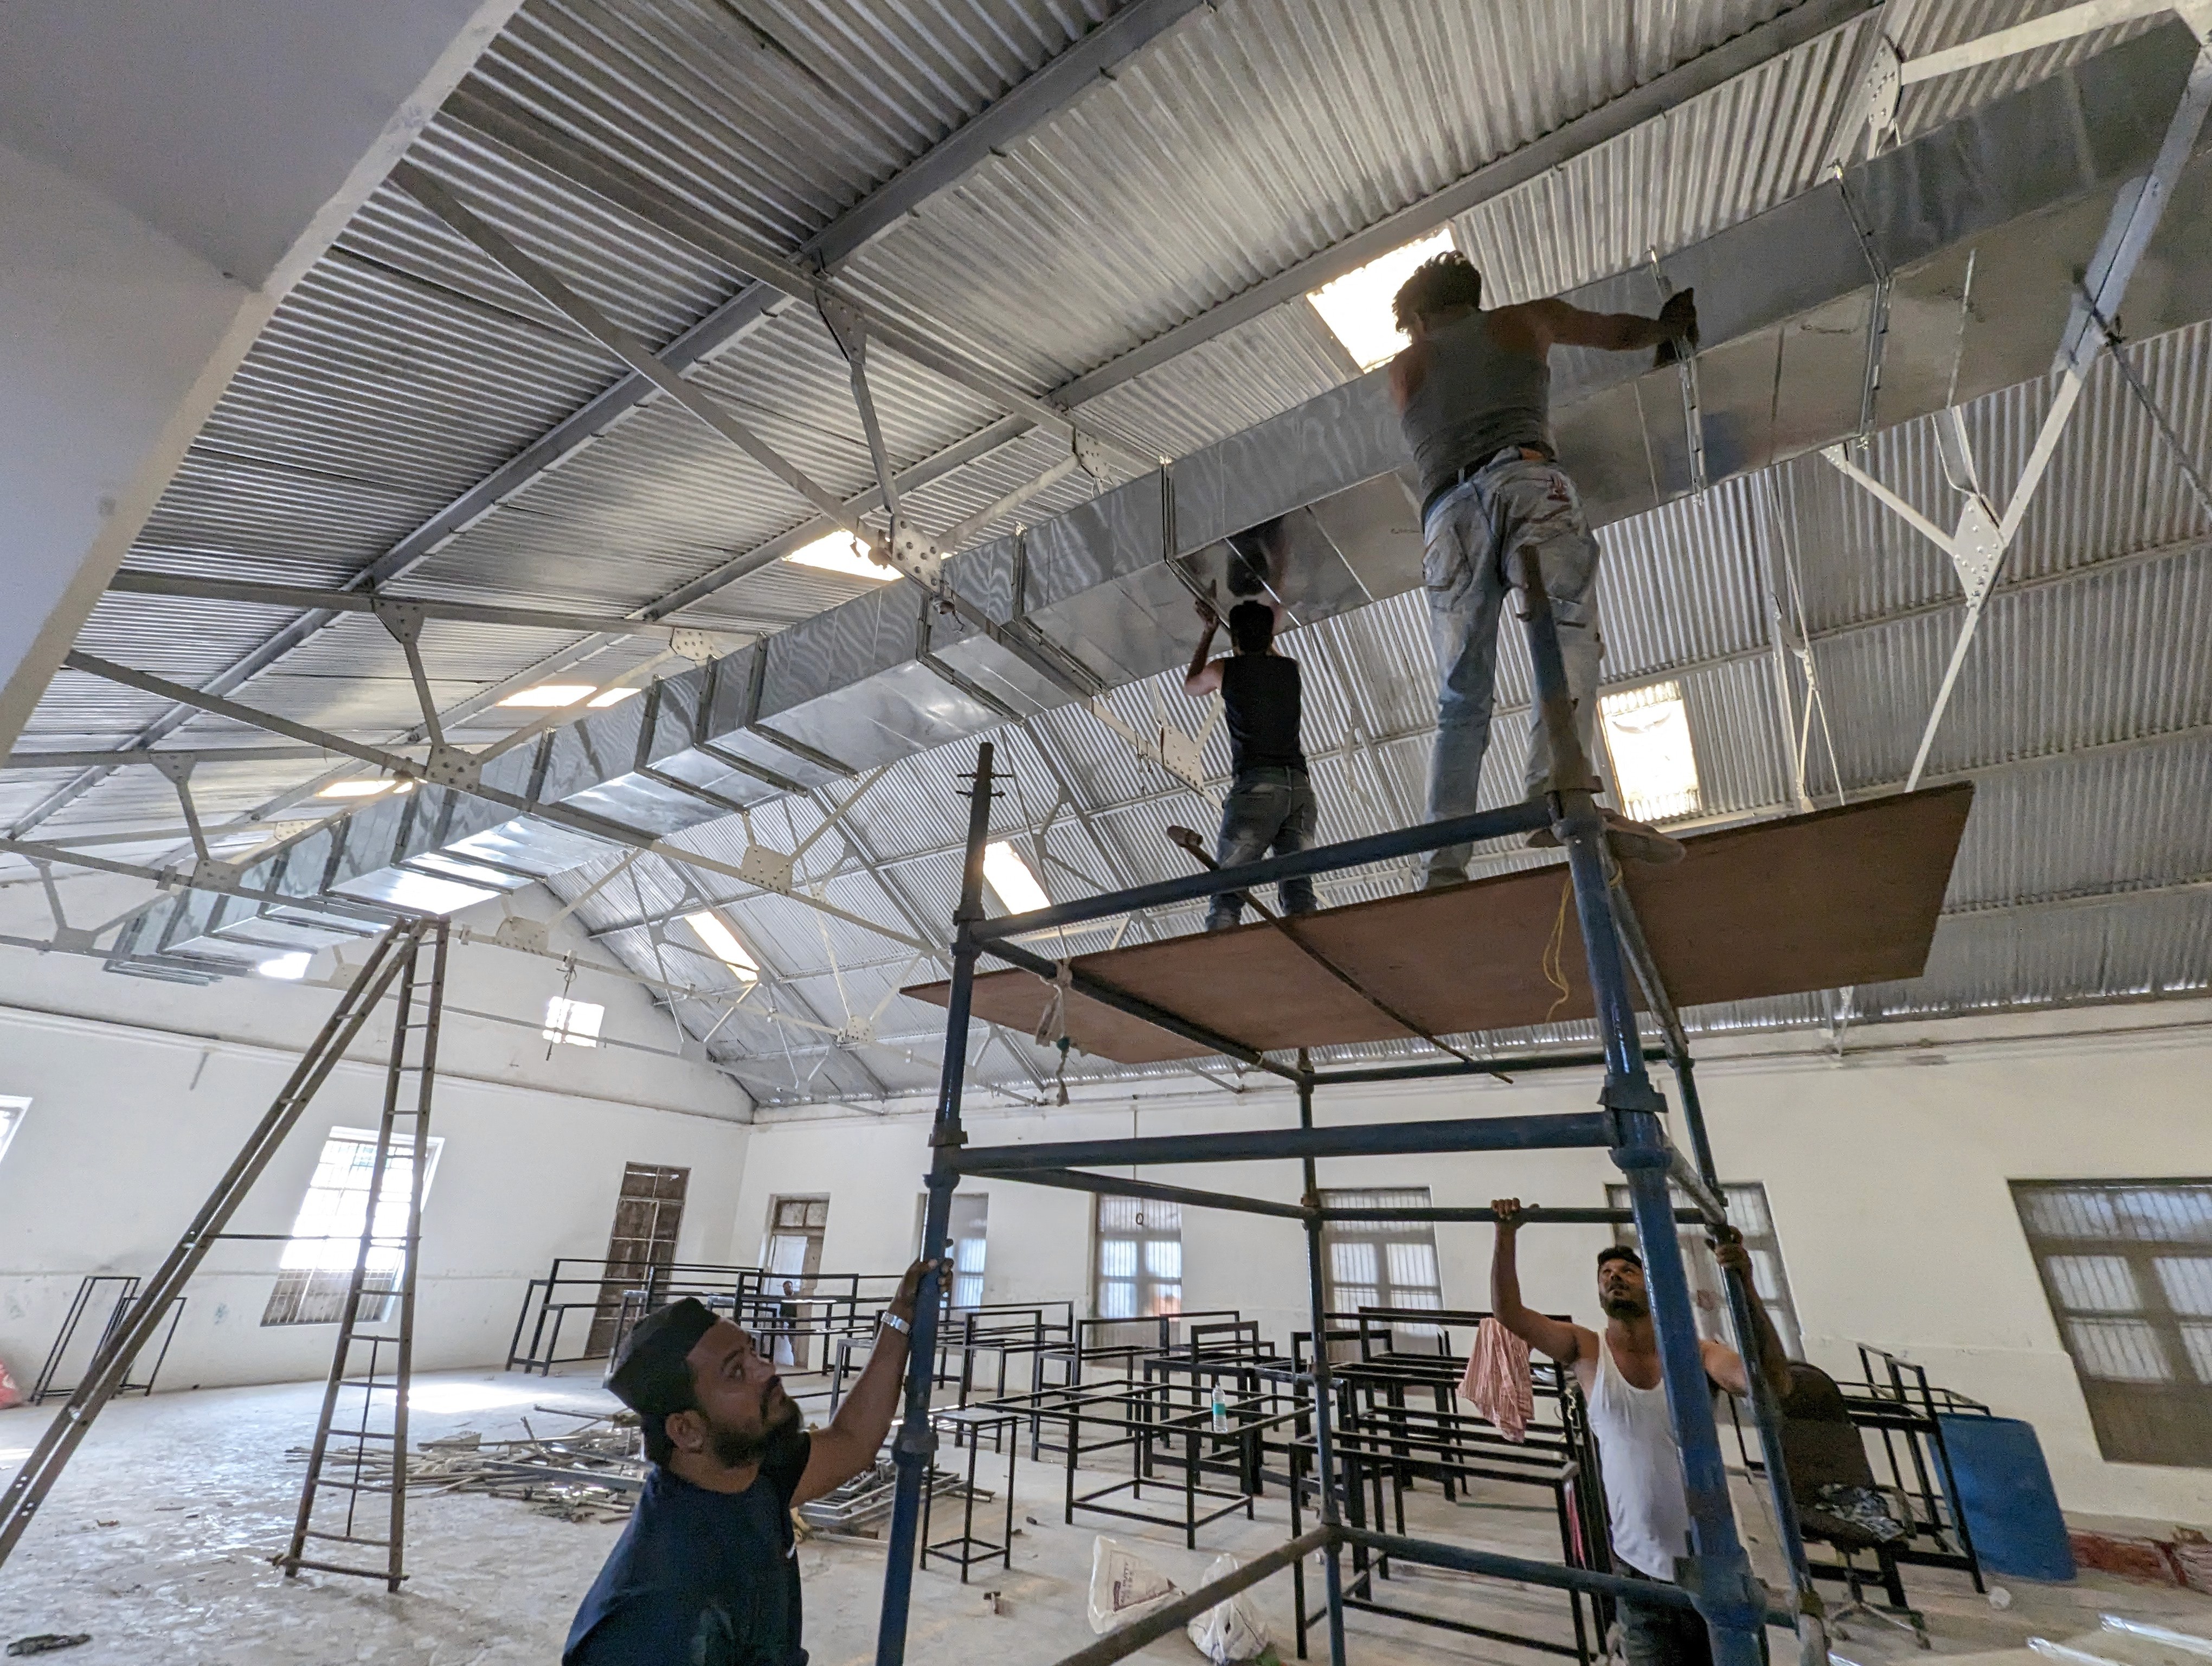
(791,1258)
(648,1215)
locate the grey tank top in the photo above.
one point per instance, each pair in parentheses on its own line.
(1476,399)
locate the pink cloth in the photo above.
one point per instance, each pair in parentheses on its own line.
(1497,1382)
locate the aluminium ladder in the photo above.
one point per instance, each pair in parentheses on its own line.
(20,1502)
(366,1456)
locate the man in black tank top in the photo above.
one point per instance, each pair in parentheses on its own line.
(1271,806)
(1474,392)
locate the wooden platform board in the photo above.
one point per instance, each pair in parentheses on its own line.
(1778,907)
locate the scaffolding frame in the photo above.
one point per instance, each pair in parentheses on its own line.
(1716,1577)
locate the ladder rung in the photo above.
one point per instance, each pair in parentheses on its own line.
(348,1539)
(380,1488)
(366,1434)
(339,1567)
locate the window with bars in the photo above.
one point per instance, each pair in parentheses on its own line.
(1747,1210)
(1139,1258)
(2127,1267)
(649,1216)
(1382,1263)
(316,1267)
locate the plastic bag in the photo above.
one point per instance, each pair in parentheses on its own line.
(1123,1585)
(1231,1629)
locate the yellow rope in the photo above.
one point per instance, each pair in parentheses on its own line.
(1553,965)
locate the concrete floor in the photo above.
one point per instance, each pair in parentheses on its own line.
(156,1541)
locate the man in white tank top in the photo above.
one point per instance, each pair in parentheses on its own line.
(1621,1379)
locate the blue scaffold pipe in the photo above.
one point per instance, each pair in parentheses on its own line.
(1321,859)
(911,1446)
(1717,1570)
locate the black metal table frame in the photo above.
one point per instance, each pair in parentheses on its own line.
(973,1422)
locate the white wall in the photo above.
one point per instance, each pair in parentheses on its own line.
(141,1093)
(167,174)
(1885,1167)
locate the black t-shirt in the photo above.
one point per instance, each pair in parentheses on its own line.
(700,1579)
(1260,692)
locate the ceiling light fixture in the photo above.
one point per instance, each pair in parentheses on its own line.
(722,943)
(842,554)
(362,786)
(1356,307)
(1655,767)
(606,698)
(1009,876)
(552,693)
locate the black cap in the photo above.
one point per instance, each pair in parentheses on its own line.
(652,1370)
(1618,1252)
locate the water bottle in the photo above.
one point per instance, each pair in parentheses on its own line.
(1220,1412)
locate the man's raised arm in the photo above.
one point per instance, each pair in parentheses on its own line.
(1555,1337)
(854,1436)
(1567,325)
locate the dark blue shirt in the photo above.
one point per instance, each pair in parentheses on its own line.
(700,1579)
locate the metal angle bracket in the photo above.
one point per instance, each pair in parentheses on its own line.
(846,327)
(1686,369)
(911,554)
(768,869)
(1976,550)
(518,931)
(1879,94)
(451,766)
(211,873)
(696,646)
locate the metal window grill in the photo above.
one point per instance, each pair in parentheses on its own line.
(317,1267)
(2126,1266)
(1383,1263)
(1749,1214)
(1139,1258)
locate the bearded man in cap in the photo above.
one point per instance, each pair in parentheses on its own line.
(707,1572)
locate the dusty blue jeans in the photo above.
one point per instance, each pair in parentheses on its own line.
(1269,811)
(1474,536)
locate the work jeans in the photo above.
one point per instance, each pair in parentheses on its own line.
(1662,1634)
(1474,537)
(1659,1634)
(1270,810)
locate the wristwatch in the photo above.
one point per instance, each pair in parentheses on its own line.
(891,1319)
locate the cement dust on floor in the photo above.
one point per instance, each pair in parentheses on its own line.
(157,1538)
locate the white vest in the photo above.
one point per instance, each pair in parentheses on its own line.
(1643,1470)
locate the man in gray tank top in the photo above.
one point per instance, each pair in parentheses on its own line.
(1474,392)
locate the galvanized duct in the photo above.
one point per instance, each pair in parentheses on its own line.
(1800,352)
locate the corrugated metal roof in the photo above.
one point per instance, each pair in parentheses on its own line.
(407,367)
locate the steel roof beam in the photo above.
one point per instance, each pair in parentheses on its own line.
(132,581)
(108,760)
(561,814)
(1034,100)
(1977,549)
